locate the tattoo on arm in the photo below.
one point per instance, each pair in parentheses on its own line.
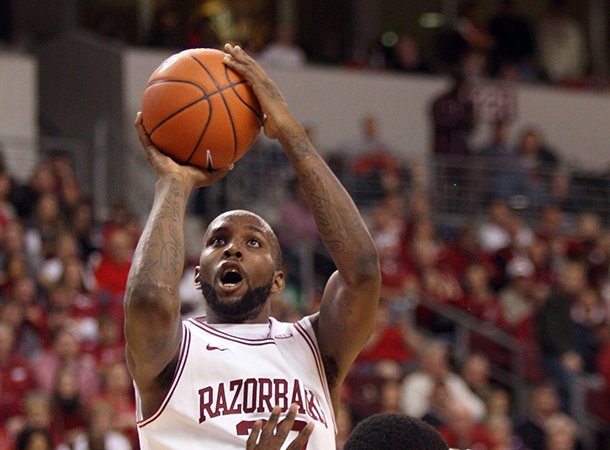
(159,258)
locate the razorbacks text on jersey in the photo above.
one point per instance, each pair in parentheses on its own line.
(224,383)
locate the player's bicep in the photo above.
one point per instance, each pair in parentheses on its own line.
(153,333)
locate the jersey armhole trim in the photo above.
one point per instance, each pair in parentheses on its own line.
(312,343)
(186,342)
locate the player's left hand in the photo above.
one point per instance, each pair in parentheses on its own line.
(272,439)
(277,115)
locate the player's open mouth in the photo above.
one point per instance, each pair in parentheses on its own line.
(230,278)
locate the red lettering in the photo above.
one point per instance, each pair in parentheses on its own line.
(297,396)
(206,396)
(264,395)
(221,400)
(250,395)
(281,391)
(312,407)
(235,386)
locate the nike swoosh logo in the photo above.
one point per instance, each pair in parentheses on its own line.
(283,336)
(211,347)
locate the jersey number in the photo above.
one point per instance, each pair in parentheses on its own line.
(245,427)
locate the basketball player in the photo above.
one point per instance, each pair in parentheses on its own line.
(391,431)
(205,382)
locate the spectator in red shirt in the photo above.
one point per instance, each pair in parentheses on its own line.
(393,340)
(66,353)
(67,407)
(117,391)
(462,431)
(15,372)
(111,270)
(111,345)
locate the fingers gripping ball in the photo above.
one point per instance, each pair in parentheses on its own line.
(200,112)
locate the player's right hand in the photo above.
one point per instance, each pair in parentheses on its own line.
(272,439)
(164,166)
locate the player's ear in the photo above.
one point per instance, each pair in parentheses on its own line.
(278,282)
(197,278)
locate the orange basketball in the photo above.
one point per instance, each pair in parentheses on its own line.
(199,111)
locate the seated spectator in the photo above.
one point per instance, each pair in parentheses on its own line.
(13,245)
(82,225)
(64,247)
(41,182)
(46,225)
(543,404)
(588,312)
(117,391)
(111,269)
(434,367)
(476,372)
(500,428)
(458,254)
(463,430)
(499,402)
(546,178)
(67,407)
(494,231)
(28,324)
(377,171)
(479,298)
(393,339)
(36,407)
(99,432)
(440,398)
(66,353)
(561,433)
(33,438)
(15,372)
(110,347)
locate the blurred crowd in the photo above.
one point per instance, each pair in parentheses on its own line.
(542,282)
(511,46)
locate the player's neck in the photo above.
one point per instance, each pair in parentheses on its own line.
(262,317)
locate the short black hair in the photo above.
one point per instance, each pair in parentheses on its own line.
(390,431)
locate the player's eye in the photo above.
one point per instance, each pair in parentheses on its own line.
(254,243)
(217,241)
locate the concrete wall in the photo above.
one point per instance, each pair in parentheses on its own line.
(19,111)
(333,100)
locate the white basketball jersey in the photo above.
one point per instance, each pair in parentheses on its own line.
(224,383)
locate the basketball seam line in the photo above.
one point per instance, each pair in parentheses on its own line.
(219,90)
(232,85)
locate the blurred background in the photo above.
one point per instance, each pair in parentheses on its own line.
(473,136)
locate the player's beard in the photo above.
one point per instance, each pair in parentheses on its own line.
(240,310)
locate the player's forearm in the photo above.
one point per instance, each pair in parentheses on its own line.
(158,261)
(339,222)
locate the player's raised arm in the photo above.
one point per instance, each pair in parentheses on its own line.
(350,299)
(152,305)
